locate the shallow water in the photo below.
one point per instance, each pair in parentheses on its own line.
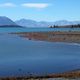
(19,56)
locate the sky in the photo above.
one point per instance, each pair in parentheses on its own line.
(41,10)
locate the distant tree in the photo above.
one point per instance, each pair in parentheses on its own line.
(72,26)
(78,25)
(51,26)
(54,26)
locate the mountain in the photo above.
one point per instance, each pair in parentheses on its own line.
(32,23)
(26,23)
(65,22)
(6,21)
(62,22)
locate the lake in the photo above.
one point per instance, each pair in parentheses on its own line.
(36,29)
(20,56)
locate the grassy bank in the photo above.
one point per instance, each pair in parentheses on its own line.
(73,36)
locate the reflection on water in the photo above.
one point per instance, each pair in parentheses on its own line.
(19,56)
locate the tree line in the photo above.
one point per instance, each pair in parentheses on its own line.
(66,26)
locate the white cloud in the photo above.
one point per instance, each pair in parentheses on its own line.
(7,5)
(35,5)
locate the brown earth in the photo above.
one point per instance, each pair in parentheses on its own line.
(52,36)
(60,76)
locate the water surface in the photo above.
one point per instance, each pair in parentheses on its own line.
(20,56)
(3,30)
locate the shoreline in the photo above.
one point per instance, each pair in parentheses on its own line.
(74,75)
(57,36)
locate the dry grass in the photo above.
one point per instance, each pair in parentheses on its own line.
(52,36)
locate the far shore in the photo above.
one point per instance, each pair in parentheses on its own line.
(57,36)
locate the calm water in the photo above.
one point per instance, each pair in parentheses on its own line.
(36,29)
(19,56)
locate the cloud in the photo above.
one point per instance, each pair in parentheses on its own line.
(35,5)
(7,5)
(27,5)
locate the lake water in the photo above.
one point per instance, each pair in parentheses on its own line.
(36,29)
(20,56)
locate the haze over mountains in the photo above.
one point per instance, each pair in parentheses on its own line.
(32,23)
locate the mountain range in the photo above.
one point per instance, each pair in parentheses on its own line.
(32,23)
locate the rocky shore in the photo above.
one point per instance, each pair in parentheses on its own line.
(73,36)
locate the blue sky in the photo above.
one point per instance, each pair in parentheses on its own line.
(41,10)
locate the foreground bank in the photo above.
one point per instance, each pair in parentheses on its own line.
(57,36)
(72,75)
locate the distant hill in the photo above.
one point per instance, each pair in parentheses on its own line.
(33,23)
(65,22)
(6,22)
